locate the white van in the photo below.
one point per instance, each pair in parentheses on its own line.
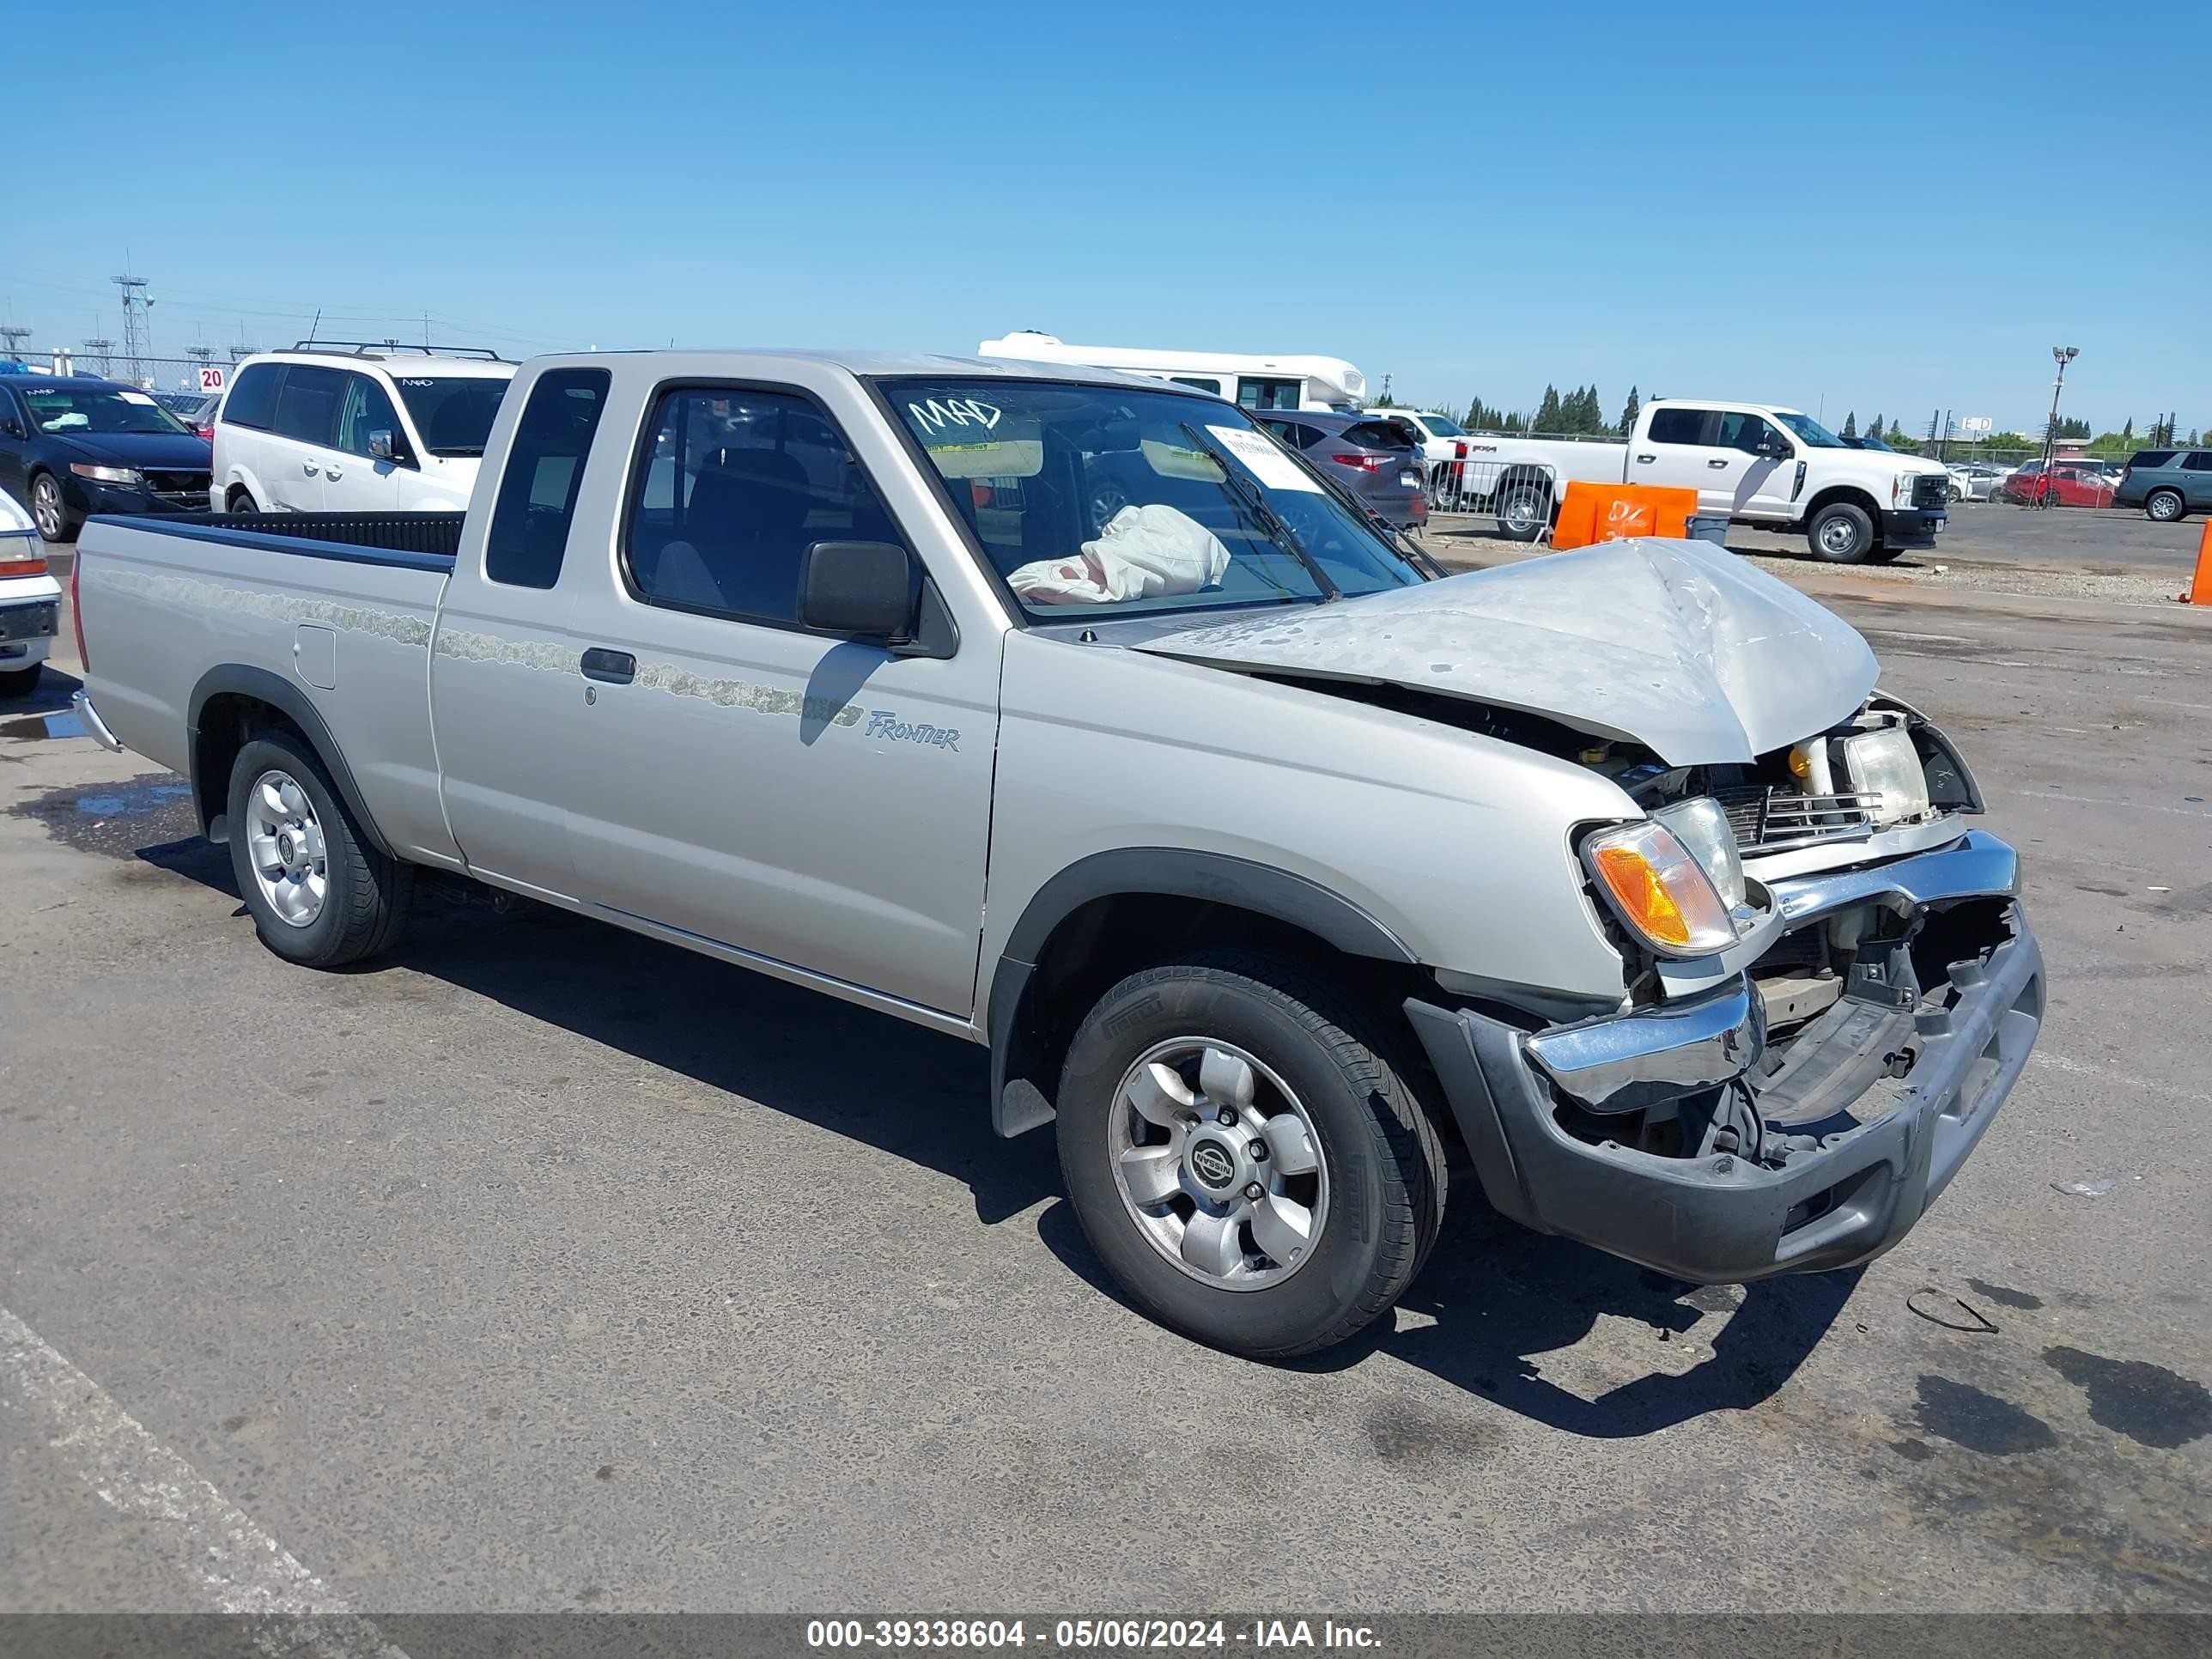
(1288,382)
(333,427)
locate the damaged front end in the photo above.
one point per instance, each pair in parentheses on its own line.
(1789,1091)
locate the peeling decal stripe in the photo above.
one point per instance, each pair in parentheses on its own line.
(468,645)
(347,618)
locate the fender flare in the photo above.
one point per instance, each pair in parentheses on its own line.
(1017,1104)
(210,795)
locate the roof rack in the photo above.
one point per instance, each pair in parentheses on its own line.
(375,349)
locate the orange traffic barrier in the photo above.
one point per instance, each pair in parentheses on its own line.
(2200,586)
(1610,512)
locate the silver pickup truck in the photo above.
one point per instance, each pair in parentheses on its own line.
(1075,715)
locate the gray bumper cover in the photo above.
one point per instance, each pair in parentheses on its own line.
(1721,1220)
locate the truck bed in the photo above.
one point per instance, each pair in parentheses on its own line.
(329,614)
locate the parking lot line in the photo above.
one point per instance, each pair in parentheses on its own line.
(237,1566)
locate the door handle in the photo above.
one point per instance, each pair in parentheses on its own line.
(332,472)
(1645,461)
(1717,461)
(613,667)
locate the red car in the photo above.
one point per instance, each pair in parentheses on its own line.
(2071,483)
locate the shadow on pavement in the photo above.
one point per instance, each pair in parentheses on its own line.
(913,1093)
(1499,1296)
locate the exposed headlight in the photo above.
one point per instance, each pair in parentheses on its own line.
(1886,764)
(1658,889)
(1703,826)
(108,475)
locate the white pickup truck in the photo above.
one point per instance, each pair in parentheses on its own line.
(1265,864)
(1755,464)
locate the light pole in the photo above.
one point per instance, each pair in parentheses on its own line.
(2063,356)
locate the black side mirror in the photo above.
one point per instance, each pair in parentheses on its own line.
(867,589)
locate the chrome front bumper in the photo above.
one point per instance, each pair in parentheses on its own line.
(1722,1219)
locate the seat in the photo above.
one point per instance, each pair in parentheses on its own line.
(745,530)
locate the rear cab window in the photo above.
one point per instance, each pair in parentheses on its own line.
(1378,435)
(536,501)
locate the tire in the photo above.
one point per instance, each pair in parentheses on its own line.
(240,500)
(1524,508)
(1957,494)
(20,682)
(1841,534)
(1374,1192)
(2164,505)
(50,512)
(361,909)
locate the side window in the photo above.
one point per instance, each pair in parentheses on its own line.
(307,404)
(1744,432)
(1263,393)
(1678,426)
(367,409)
(2199,460)
(545,468)
(253,400)
(1201,382)
(735,484)
(2147,459)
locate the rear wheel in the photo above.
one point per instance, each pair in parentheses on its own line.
(241,502)
(20,682)
(2164,505)
(1841,534)
(1244,1156)
(319,893)
(1524,508)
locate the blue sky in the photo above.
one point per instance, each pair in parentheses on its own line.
(1853,207)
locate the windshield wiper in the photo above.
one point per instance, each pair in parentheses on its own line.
(1281,534)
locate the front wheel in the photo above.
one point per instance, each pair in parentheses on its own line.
(1841,534)
(2163,505)
(319,895)
(50,512)
(1244,1157)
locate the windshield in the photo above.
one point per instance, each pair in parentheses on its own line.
(100,408)
(1116,501)
(453,412)
(1811,431)
(1443,426)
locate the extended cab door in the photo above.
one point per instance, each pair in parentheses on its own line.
(1676,449)
(822,804)
(506,696)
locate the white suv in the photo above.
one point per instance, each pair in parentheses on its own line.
(339,428)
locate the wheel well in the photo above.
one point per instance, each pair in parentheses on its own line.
(233,492)
(1850,495)
(227,722)
(1105,940)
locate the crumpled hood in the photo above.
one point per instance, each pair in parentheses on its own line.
(1676,645)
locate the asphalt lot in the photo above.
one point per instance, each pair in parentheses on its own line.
(546,1267)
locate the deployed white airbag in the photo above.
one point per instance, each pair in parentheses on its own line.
(1144,553)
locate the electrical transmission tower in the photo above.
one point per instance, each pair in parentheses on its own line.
(202,355)
(238,354)
(103,353)
(14,335)
(137,335)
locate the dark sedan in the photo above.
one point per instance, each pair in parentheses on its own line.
(1377,459)
(72,446)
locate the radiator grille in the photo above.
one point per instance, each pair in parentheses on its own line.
(1766,819)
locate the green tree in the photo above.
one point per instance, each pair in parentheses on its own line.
(1548,418)
(1875,428)
(1629,411)
(1851,425)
